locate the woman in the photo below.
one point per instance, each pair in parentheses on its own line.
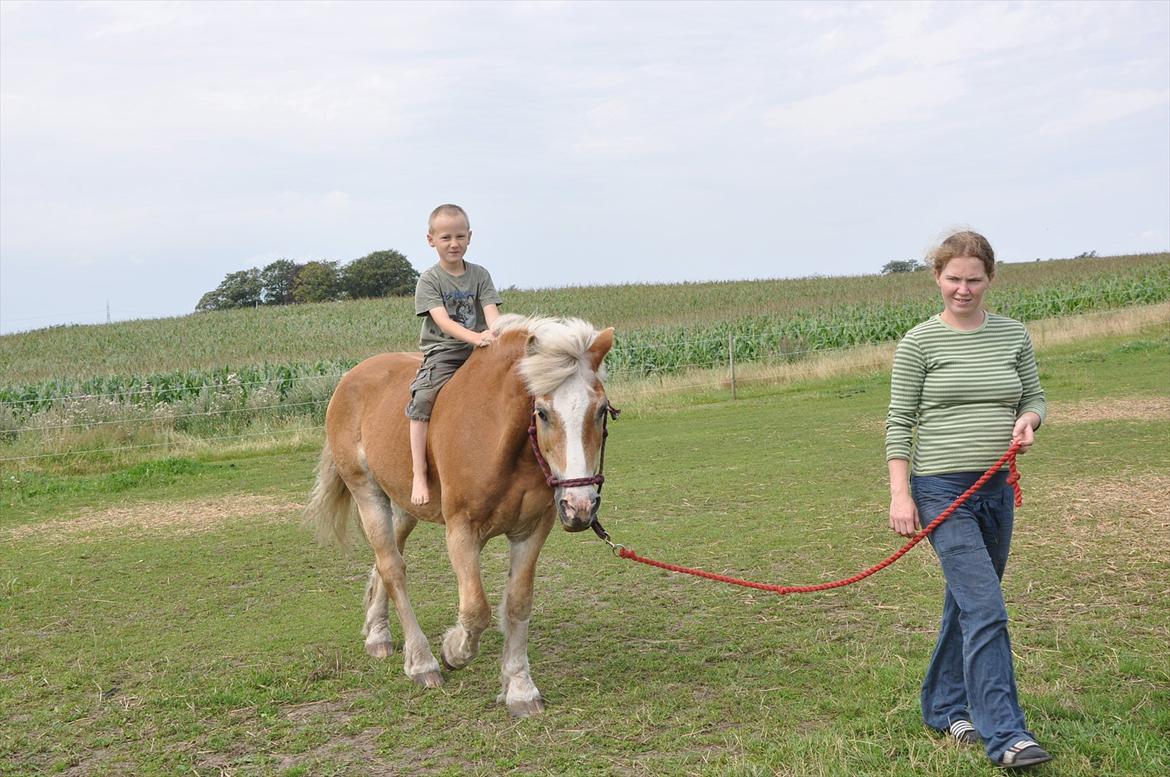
(965,381)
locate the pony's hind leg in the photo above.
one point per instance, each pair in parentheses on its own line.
(517,690)
(386,528)
(379,642)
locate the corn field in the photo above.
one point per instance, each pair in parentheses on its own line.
(761,321)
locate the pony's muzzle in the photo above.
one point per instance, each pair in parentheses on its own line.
(578,508)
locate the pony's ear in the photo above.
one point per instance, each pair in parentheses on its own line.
(530,345)
(601,345)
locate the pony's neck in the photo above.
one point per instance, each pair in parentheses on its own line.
(494,395)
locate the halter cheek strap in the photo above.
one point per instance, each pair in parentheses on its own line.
(555,482)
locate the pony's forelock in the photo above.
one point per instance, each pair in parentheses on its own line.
(557,352)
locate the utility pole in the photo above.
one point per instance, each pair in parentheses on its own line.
(107,311)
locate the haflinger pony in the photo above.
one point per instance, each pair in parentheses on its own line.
(485,480)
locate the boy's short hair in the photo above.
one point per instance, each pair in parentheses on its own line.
(446,209)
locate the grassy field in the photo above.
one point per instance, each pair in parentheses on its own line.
(171,617)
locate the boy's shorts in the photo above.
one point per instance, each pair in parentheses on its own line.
(436,369)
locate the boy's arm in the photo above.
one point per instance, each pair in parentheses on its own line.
(458,331)
(490,314)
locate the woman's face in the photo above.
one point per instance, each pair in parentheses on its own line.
(962,283)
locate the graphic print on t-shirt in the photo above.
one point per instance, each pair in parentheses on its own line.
(460,307)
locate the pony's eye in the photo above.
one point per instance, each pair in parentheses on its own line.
(542,414)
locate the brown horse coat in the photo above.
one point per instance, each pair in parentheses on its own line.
(484,479)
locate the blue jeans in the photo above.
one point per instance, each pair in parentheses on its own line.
(970,675)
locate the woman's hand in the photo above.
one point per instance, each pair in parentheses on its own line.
(1024,431)
(904,515)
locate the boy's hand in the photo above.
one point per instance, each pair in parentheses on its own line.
(485,339)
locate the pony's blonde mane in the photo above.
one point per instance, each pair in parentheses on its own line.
(557,352)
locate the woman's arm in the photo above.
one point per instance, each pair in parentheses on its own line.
(905,395)
(903,511)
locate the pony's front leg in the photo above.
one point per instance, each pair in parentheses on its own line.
(461,642)
(516,687)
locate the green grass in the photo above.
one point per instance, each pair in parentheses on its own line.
(237,649)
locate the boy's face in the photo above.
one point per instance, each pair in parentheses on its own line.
(449,236)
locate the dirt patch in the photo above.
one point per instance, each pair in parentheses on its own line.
(337,711)
(1113,409)
(194,516)
(1132,514)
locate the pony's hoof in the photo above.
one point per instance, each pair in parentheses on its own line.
(380,649)
(450,666)
(526,707)
(428,679)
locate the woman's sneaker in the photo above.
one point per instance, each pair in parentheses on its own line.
(1023,753)
(963,732)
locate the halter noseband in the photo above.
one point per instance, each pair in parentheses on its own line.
(555,482)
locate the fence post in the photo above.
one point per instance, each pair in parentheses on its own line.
(731,361)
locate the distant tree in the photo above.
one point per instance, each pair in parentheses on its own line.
(911,265)
(317,282)
(279,279)
(212,300)
(1087,255)
(237,290)
(380,274)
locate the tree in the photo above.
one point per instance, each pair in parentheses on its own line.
(316,282)
(279,279)
(911,265)
(380,274)
(237,290)
(212,300)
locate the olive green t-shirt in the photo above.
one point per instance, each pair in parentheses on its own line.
(462,296)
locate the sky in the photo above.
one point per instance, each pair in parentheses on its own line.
(149,149)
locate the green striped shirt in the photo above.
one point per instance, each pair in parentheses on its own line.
(961,391)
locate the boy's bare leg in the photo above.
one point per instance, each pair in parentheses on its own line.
(419,493)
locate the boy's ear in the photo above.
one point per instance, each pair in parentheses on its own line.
(601,345)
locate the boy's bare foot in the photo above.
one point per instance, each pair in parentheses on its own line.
(419,493)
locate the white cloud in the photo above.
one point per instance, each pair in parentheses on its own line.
(129,18)
(1095,108)
(195,136)
(867,112)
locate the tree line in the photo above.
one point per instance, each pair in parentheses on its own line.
(285,282)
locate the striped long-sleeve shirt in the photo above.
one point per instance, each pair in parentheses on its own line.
(961,391)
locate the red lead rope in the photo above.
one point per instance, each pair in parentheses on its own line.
(1013,478)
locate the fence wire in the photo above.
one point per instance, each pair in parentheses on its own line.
(227,400)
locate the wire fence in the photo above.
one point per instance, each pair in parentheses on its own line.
(231,407)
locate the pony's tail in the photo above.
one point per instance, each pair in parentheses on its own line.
(330,505)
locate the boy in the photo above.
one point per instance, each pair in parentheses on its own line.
(458,304)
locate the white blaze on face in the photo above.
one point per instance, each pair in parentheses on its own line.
(571,402)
